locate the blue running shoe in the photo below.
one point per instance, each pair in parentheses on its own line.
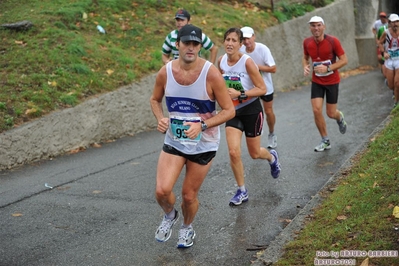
(239,197)
(275,167)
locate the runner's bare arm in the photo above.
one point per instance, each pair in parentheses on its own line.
(257,80)
(218,64)
(156,100)
(166,58)
(213,53)
(343,60)
(217,90)
(381,42)
(267,69)
(305,65)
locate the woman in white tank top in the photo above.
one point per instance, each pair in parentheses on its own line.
(245,84)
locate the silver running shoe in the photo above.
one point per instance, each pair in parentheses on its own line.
(324,145)
(272,141)
(186,237)
(164,230)
(342,124)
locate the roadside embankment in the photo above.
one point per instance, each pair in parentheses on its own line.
(127,110)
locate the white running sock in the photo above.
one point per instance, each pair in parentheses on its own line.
(171,215)
(273,159)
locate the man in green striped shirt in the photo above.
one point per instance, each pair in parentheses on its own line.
(169,50)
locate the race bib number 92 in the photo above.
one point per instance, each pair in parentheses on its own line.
(177,128)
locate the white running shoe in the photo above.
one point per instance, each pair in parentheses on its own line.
(186,237)
(342,124)
(324,145)
(272,141)
(164,230)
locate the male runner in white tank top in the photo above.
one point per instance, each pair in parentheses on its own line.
(191,87)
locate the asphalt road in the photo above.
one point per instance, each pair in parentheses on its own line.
(101,209)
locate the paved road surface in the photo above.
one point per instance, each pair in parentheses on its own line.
(102,211)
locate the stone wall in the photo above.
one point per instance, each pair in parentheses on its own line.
(366,13)
(127,110)
(285,41)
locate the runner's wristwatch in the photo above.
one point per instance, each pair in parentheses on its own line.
(328,69)
(203,126)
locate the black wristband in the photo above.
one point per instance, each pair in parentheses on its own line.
(203,126)
(242,97)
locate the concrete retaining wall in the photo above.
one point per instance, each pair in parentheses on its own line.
(366,13)
(285,41)
(127,110)
(109,116)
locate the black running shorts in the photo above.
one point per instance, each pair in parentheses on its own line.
(267,98)
(200,158)
(331,92)
(252,124)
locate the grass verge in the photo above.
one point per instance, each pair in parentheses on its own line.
(357,215)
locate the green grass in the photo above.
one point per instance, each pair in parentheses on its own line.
(286,11)
(358,214)
(63,59)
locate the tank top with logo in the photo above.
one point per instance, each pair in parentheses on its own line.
(237,77)
(190,103)
(391,45)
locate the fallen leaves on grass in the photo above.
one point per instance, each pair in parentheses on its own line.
(365,262)
(396,212)
(22,43)
(352,236)
(52,83)
(30,111)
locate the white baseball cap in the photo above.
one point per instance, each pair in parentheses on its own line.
(316,19)
(393,17)
(247,32)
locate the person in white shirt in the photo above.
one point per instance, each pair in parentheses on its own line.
(389,46)
(262,56)
(380,22)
